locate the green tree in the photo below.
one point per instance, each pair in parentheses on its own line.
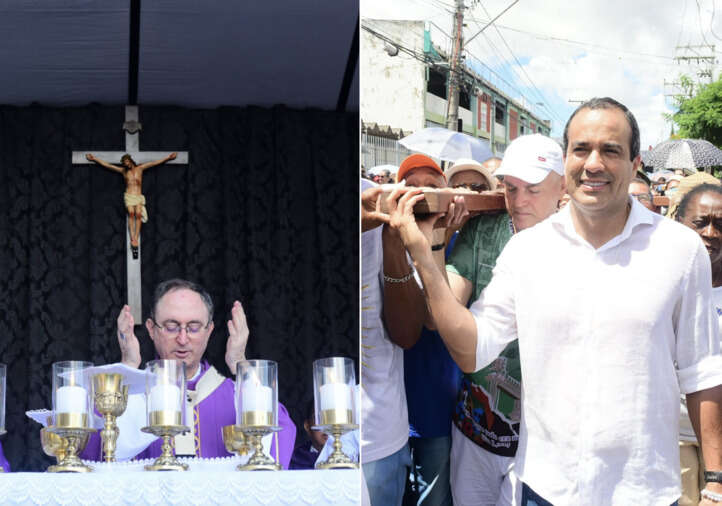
(700,116)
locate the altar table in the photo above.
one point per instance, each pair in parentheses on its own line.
(208,481)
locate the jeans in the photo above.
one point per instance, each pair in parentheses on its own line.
(531,498)
(428,483)
(385,478)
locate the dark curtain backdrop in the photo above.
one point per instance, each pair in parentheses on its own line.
(266,211)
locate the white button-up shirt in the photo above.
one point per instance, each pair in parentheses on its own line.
(608,338)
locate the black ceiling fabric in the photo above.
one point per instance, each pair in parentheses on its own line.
(188,53)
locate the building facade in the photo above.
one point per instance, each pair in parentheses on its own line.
(404,87)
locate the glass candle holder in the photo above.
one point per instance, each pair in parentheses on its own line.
(72,394)
(334,380)
(257,393)
(165,389)
(3,383)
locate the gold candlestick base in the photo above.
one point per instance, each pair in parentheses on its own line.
(259,461)
(338,459)
(111,400)
(234,440)
(2,433)
(166,461)
(75,437)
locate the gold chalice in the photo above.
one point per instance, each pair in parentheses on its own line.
(111,399)
(234,440)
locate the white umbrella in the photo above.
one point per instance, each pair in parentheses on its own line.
(448,145)
(665,173)
(375,171)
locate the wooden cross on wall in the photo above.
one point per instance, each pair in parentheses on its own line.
(132,147)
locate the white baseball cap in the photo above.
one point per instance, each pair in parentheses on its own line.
(531,158)
(468,164)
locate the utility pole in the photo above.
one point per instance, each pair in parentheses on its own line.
(452,104)
(705,62)
(702,57)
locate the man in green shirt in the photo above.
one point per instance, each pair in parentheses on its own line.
(486,420)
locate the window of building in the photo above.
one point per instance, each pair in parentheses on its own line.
(500,115)
(437,83)
(464,100)
(483,113)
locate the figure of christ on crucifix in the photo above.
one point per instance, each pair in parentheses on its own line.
(133,196)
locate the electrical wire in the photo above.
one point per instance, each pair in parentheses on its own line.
(711,25)
(378,32)
(434,4)
(643,58)
(699,18)
(681,26)
(539,93)
(576,42)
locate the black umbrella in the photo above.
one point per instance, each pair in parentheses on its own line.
(690,154)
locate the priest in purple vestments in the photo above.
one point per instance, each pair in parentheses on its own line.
(180,324)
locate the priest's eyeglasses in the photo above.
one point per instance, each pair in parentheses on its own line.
(172,328)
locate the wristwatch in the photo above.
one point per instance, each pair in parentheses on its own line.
(715,476)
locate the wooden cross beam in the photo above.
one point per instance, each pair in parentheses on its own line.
(132,128)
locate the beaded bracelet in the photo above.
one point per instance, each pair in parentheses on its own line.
(712,496)
(389,279)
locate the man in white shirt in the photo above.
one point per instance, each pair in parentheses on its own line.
(606,345)
(384,419)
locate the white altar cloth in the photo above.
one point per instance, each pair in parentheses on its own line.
(213,481)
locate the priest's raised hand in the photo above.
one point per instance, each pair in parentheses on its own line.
(237,337)
(129,345)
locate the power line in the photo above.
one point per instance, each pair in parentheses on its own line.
(379,33)
(500,62)
(644,58)
(681,26)
(576,42)
(699,18)
(539,93)
(435,4)
(386,38)
(447,5)
(711,21)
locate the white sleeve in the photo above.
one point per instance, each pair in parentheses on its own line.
(495,312)
(696,324)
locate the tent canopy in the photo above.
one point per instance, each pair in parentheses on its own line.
(180,52)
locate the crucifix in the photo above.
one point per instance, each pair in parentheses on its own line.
(131,164)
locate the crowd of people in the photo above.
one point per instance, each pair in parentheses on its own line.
(621,397)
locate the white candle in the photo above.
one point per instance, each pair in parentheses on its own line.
(71,399)
(335,396)
(165,397)
(256,398)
